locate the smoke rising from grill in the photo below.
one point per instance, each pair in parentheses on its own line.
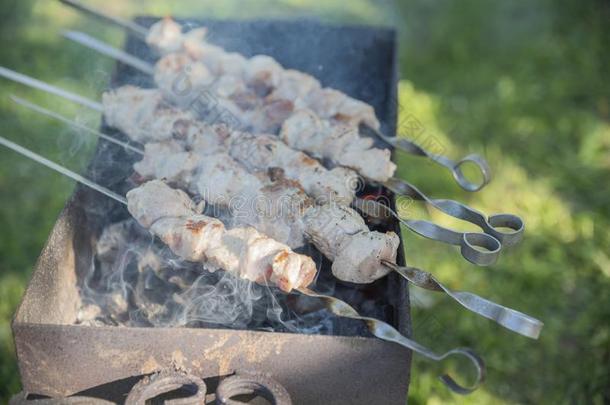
(134,280)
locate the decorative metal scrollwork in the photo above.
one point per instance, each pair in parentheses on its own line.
(167,381)
(249,384)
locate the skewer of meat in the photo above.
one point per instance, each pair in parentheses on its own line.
(174,218)
(342,236)
(478,248)
(143,116)
(303,130)
(261,84)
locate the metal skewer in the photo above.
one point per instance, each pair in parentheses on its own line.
(478,248)
(136,29)
(38,84)
(338,307)
(65,120)
(114,53)
(386,332)
(105,49)
(453,208)
(411,147)
(509,318)
(58,168)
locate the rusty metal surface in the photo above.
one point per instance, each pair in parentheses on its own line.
(59,359)
(53,288)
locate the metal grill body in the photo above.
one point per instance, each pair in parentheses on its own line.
(58,358)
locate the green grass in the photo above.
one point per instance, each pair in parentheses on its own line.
(524,83)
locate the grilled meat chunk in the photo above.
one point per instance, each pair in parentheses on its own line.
(342,236)
(245,252)
(337,142)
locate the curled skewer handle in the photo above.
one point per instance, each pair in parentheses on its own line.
(130,26)
(386,332)
(456,167)
(458,174)
(478,248)
(461,211)
(509,318)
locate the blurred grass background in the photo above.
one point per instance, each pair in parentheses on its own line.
(523,83)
